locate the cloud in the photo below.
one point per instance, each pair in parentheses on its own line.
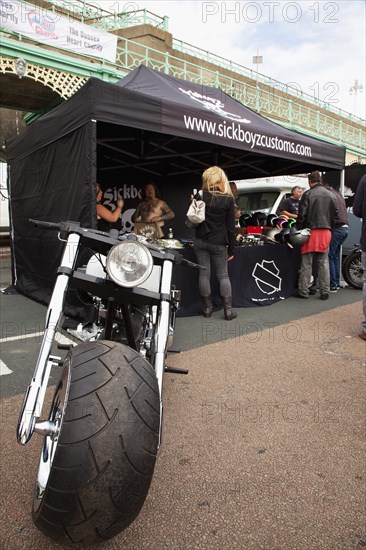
(318,45)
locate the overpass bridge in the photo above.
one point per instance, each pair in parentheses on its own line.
(52,75)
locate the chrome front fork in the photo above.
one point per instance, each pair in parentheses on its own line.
(34,398)
(162,334)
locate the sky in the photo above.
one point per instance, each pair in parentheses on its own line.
(316,46)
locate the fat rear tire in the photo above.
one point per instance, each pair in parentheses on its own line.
(106,451)
(352,269)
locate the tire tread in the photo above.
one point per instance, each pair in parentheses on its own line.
(107,447)
(354,256)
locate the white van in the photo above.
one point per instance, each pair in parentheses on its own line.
(265,194)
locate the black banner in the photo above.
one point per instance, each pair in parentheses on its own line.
(259,275)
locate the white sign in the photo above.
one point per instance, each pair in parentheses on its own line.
(213,104)
(55,30)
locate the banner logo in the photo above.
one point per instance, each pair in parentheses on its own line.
(213,104)
(43,26)
(266,275)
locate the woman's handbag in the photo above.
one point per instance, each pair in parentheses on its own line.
(196,213)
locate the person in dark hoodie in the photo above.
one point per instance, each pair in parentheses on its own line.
(359,210)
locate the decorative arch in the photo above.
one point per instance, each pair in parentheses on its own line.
(64,84)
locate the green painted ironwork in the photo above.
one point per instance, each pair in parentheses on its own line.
(14,45)
(290,89)
(277,101)
(292,112)
(107,18)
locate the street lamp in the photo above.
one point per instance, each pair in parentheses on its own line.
(355,89)
(257,59)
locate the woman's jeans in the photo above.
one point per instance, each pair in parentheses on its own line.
(339,235)
(205,252)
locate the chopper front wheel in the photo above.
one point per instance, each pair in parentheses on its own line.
(94,475)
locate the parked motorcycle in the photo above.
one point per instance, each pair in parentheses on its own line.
(352,268)
(104,427)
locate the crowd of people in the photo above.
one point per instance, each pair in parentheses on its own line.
(321,208)
(152,209)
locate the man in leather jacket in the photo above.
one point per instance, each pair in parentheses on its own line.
(317,210)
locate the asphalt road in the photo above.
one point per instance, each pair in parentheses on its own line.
(22,322)
(264,439)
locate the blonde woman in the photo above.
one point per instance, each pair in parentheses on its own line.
(215,238)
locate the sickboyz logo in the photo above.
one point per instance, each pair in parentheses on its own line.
(213,104)
(126,192)
(267,277)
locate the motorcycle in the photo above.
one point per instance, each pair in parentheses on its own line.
(352,268)
(104,426)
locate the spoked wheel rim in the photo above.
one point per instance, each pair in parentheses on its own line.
(50,442)
(356,271)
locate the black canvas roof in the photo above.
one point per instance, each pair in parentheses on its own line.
(153,122)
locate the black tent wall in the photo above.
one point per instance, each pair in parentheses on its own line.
(70,164)
(132,133)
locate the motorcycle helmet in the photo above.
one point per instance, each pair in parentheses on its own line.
(259,218)
(281,222)
(243,220)
(299,236)
(271,220)
(291,222)
(271,232)
(283,237)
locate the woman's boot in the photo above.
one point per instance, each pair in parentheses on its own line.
(229,313)
(207,306)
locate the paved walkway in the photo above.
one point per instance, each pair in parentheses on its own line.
(264,448)
(264,440)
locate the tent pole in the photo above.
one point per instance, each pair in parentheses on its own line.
(342,180)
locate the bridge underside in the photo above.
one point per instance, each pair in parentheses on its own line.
(24,94)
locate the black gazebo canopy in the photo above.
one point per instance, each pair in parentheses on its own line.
(148,126)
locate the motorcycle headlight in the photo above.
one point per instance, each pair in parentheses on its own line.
(129,263)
